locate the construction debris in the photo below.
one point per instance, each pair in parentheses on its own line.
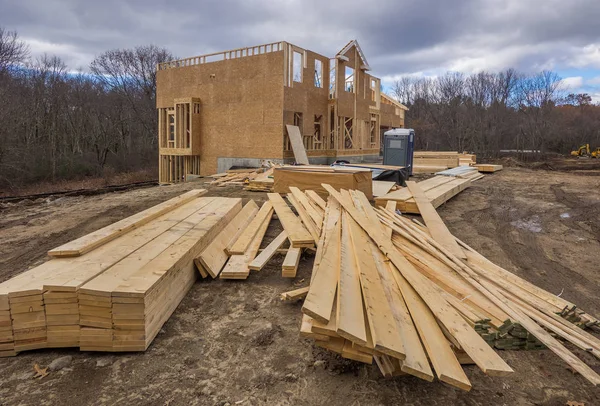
(386,289)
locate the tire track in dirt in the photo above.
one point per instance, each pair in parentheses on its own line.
(523,247)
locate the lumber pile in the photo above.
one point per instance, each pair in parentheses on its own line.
(236,250)
(261,183)
(310,177)
(437,159)
(416,300)
(438,190)
(236,177)
(465,159)
(118,285)
(488,168)
(462,172)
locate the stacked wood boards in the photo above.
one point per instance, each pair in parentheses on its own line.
(467,159)
(311,177)
(488,168)
(116,296)
(447,159)
(438,190)
(385,289)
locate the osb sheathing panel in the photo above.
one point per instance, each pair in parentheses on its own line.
(307,99)
(241,104)
(346,99)
(389,117)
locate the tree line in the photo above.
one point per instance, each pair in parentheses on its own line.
(59,124)
(56,123)
(487,113)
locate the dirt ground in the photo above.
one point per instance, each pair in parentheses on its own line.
(235,342)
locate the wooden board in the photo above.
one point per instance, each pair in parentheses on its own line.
(319,301)
(238,265)
(261,260)
(290,263)
(469,340)
(433,221)
(381,188)
(240,246)
(298,235)
(350,316)
(214,257)
(109,233)
(297,144)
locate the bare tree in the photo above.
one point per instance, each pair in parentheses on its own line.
(13,51)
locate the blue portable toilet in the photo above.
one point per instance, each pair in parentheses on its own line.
(399,147)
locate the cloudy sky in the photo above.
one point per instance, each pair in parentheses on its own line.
(399,37)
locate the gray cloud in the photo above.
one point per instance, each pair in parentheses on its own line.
(398,36)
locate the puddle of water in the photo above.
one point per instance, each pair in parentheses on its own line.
(532,224)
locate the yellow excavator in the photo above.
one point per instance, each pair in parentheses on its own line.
(583,151)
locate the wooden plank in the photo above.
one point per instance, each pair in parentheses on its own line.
(350,317)
(240,246)
(381,188)
(470,341)
(316,198)
(433,221)
(237,266)
(319,301)
(306,220)
(100,237)
(290,263)
(298,235)
(295,294)
(316,217)
(297,144)
(445,364)
(384,331)
(261,260)
(214,257)
(416,362)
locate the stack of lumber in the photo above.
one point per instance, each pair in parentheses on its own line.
(438,189)
(462,172)
(262,183)
(235,177)
(236,250)
(311,177)
(434,161)
(488,168)
(113,289)
(416,300)
(467,159)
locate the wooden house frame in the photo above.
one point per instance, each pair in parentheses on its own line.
(231,108)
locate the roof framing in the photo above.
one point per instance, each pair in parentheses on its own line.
(341,54)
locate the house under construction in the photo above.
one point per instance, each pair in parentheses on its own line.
(231,108)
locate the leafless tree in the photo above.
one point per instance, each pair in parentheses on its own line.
(13,51)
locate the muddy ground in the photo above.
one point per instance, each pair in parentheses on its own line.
(234,342)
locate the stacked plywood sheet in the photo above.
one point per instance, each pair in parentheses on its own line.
(416,300)
(118,285)
(438,189)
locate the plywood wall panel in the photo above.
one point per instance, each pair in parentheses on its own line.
(241,105)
